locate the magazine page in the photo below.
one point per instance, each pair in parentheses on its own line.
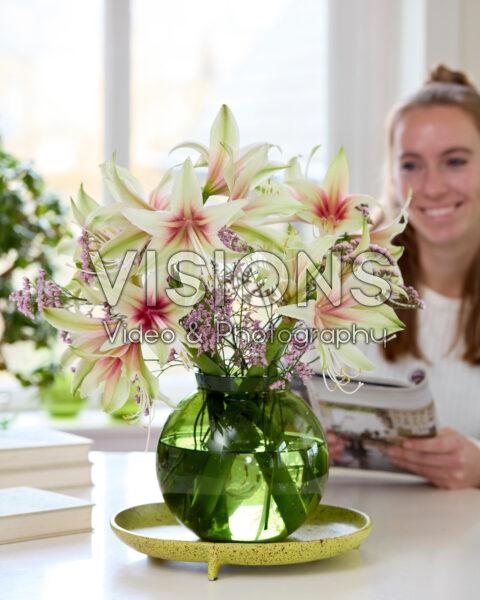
(379,413)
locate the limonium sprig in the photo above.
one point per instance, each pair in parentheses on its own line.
(34,297)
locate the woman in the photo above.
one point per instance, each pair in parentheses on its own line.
(434,148)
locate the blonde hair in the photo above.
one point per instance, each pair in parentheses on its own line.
(443,88)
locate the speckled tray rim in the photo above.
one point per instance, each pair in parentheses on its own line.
(287,551)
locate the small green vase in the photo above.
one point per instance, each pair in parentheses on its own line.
(237,461)
(57,397)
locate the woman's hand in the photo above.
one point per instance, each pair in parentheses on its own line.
(449,460)
(336,445)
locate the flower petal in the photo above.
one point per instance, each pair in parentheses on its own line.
(223,131)
(294,170)
(122,185)
(116,391)
(266,238)
(154,223)
(83,206)
(247,168)
(61,318)
(200,148)
(264,205)
(159,196)
(131,238)
(383,236)
(336,180)
(353,357)
(83,368)
(300,313)
(186,197)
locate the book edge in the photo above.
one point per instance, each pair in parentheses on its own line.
(43,536)
(46,467)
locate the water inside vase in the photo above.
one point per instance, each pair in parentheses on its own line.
(243,496)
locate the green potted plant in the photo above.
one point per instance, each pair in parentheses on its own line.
(32,225)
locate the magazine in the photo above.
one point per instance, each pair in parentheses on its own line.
(380,413)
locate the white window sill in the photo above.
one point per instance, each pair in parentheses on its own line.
(108,433)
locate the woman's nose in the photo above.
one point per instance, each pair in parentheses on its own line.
(434,184)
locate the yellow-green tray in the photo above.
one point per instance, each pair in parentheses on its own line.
(153,530)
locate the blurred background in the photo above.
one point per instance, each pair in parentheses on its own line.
(80,80)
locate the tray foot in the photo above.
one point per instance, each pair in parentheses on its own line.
(213,569)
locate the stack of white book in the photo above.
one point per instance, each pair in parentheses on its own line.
(29,514)
(44,458)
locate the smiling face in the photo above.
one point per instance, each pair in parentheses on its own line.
(436,151)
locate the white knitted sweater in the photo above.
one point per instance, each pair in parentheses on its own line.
(455,384)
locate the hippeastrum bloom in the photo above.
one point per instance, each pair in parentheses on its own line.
(329,206)
(142,307)
(299,259)
(231,170)
(104,230)
(127,190)
(383,236)
(340,310)
(115,367)
(110,233)
(297,262)
(270,205)
(253,224)
(187,224)
(148,310)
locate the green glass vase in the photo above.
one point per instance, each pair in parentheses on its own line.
(237,461)
(57,397)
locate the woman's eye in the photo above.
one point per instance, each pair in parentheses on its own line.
(409,166)
(456,162)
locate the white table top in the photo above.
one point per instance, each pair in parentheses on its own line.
(425,544)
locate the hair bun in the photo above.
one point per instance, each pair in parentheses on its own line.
(442,74)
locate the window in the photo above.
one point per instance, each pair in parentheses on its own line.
(52,94)
(267,60)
